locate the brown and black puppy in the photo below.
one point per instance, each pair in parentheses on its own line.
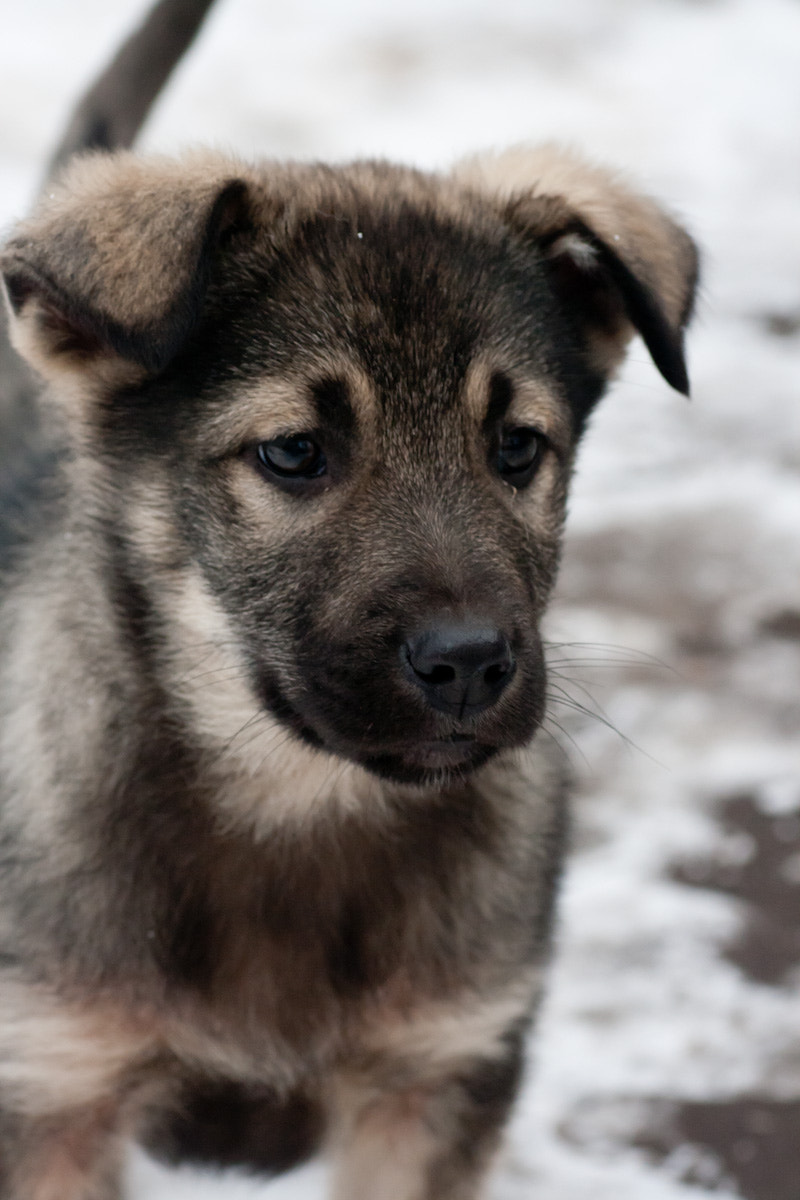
(279,837)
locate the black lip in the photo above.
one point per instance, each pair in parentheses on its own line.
(405,768)
(422,761)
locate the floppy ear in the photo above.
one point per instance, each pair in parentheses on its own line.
(110,272)
(619,262)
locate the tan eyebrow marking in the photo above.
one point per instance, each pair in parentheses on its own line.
(287,403)
(527,401)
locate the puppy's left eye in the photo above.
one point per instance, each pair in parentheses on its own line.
(295,457)
(519,453)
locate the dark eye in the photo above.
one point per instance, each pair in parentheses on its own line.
(294,457)
(518,455)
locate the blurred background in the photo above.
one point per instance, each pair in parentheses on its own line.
(668,1061)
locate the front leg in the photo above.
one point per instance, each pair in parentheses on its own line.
(433,1137)
(63,1156)
(69,1080)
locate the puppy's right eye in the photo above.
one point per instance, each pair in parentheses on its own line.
(297,456)
(519,455)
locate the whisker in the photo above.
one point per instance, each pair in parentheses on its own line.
(273,749)
(561,684)
(255,719)
(622,655)
(550,720)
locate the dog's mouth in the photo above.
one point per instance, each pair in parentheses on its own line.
(431,760)
(413,759)
(456,750)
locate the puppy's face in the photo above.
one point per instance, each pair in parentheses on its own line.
(362,444)
(371,475)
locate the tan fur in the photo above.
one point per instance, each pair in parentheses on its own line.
(280,404)
(57,1055)
(387,1144)
(384,1148)
(33,340)
(119,281)
(32,765)
(69,1160)
(204,667)
(256,757)
(435,1038)
(635,226)
(534,404)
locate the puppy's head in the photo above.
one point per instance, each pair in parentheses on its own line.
(347,401)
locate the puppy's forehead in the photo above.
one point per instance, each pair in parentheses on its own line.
(412,297)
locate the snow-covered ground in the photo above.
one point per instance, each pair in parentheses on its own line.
(668,1062)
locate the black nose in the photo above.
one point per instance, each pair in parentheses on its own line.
(462,669)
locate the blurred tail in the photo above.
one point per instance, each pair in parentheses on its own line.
(116,105)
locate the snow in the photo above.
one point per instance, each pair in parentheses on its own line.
(684,520)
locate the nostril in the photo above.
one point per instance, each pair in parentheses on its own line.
(438,674)
(497,672)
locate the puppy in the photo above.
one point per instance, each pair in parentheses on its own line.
(280,830)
